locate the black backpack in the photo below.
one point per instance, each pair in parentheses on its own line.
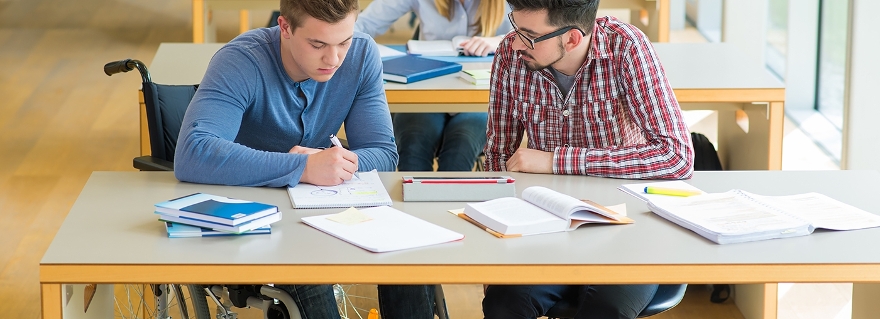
(705,156)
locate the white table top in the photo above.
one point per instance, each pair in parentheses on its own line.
(112,222)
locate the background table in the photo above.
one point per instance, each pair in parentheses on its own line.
(705,76)
(112,236)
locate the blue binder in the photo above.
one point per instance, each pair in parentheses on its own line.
(410,68)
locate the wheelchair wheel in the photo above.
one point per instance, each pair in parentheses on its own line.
(355,301)
(160,301)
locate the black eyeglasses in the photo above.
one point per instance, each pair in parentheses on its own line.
(530,43)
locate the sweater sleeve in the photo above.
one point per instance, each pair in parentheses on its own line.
(206,151)
(368,124)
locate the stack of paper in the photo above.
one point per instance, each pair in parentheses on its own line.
(217,213)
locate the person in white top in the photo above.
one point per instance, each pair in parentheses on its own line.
(455,139)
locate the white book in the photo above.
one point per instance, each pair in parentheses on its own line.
(436,47)
(541,210)
(738,216)
(387,229)
(364,190)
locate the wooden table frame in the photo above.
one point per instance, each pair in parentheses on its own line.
(737,263)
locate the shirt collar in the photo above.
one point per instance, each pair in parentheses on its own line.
(599,47)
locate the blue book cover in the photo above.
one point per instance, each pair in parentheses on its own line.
(176,230)
(410,68)
(215,209)
(237,229)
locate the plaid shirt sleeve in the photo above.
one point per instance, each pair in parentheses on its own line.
(504,132)
(656,139)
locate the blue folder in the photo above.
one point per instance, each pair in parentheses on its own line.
(410,68)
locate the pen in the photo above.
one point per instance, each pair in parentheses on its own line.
(335,141)
(670,191)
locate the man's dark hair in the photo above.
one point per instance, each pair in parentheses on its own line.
(330,11)
(562,13)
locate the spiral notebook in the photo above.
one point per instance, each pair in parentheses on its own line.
(738,216)
(364,190)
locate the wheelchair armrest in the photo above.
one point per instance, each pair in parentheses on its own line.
(149,163)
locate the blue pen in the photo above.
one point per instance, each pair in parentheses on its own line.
(337,143)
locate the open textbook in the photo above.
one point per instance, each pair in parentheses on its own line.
(739,216)
(363,190)
(541,210)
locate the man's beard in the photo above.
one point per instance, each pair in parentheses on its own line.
(533,66)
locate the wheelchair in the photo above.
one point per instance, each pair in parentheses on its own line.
(164,108)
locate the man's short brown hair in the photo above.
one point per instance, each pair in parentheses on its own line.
(330,11)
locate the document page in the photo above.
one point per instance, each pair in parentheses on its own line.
(555,202)
(563,205)
(513,211)
(727,213)
(822,211)
(364,191)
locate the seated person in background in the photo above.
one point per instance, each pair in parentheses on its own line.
(455,139)
(594,100)
(266,108)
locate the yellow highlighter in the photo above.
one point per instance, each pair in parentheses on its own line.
(670,191)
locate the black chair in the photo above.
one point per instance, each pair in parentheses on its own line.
(667,297)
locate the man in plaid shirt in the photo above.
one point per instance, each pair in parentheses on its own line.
(590,94)
(593,99)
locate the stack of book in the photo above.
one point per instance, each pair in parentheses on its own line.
(476,77)
(199,215)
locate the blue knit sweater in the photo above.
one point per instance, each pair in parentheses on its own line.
(247,114)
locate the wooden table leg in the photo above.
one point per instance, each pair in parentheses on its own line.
(50,297)
(244,21)
(198,20)
(864,301)
(751,138)
(757,301)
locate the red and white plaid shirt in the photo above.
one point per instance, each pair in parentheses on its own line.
(620,119)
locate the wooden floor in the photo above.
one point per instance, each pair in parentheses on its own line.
(61,118)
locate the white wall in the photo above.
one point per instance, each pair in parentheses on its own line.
(861,147)
(744,25)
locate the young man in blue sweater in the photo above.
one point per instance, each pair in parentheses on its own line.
(267,106)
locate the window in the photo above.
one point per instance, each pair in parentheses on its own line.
(776,46)
(833,21)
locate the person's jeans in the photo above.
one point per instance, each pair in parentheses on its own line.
(395,301)
(596,301)
(406,301)
(313,301)
(456,140)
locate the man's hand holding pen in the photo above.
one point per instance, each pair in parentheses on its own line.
(330,167)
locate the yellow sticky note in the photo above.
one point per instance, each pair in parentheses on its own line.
(349,216)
